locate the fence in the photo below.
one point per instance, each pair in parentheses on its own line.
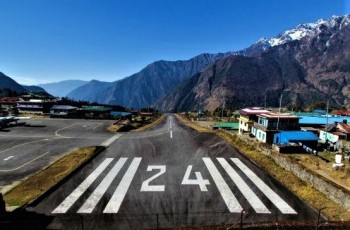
(213,220)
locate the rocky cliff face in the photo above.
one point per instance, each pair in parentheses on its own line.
(306,64)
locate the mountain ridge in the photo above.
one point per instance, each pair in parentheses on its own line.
(152,82)
(313,67)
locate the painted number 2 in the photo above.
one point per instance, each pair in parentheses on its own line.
(198,181)
(153,188)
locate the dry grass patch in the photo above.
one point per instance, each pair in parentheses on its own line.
(152,124)
(192,125)
(325,169)
(114,128)
(39,183)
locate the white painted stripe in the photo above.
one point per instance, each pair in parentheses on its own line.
(226,193)
(253,200)
(95,197)
(119,194)
(171,133)
(8,158)
(269,193)
(111,140)
(74,196)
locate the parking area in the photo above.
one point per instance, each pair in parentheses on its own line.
(28,147)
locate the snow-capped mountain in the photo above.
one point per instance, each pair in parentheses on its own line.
(305,30)
(307,64)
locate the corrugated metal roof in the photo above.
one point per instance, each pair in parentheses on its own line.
(120,114)
(279,115)
(63,107)
(287,136)
(96,108)
(228,125)
(252,111)
(319,120)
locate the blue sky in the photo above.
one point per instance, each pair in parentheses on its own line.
(51,40)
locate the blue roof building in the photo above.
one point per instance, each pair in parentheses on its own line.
(320,120)
(304,137)
(294,136)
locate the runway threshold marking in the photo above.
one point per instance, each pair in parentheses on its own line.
(269,193)
(21,166)
(95,197)
(74,196)
(8,158)
(253,200)
(119,194)
(226,193)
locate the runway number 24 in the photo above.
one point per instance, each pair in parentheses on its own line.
(146,187)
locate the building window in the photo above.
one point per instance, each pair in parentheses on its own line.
(263,137)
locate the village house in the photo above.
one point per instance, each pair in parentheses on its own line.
(35,106)
(247,118)
(270,123)
(335,132)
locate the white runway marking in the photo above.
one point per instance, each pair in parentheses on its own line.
(171,133)
(230,200)
(111,140)
(16,146)
(119,194)
(74,196)
(270,194)
(253,200)
(57,131)
(27,163)
(8,158)
(95,197)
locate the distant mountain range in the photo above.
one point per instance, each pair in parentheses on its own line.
(89,91)
(306,64)
(62,88)
(147,86)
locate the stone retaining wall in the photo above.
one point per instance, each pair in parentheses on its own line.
(335,192)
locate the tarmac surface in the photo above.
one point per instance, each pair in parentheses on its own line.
(28,147)
(169,176)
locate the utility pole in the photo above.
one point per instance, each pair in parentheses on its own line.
(318,217)
(279,112)
(241,223)
(327,121)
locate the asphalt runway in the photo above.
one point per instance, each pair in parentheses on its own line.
(27,148)
(170,176)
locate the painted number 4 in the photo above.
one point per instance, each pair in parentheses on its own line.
(198,181)
(146,187)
